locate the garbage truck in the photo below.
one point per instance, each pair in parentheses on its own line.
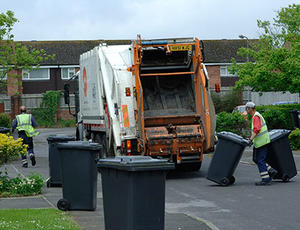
(150,97)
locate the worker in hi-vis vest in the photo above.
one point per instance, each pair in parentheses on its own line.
(260,139)
(25,125)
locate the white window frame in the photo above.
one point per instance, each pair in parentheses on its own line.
(35,79)
(227,74)
(70,69)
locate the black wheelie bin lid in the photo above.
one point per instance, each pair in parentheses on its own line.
(229,136)
(276,134)
(135,163)
(4,130)
(83,145)
(60,138)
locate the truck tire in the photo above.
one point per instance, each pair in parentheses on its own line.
(189,167)
(101,139)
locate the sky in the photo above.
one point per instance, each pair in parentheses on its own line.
(48,20)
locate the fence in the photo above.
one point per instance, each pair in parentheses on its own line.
(32,101)
(272,97)
(266,98)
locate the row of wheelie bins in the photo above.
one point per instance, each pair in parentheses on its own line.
(133,187)
(229,151)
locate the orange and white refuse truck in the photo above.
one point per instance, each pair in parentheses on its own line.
(148,98)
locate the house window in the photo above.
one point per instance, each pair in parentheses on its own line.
(67,73)
(36,74)
(225,73)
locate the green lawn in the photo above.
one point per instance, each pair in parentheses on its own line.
(30,219)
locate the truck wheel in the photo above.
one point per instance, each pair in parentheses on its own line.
(63,205)
(189,167)
(195,166)
(101,139)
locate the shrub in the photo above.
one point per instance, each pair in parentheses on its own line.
(10,148)
(5,120)
(294,138)
(45,115)
(226,102)
(232,122)
(66,123)
(278,116)
(31,185)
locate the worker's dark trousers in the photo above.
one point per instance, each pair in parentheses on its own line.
(28,141)
(259,157)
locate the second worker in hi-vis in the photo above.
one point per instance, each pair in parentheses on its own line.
(260,139)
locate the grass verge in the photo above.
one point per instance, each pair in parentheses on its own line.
(24,219)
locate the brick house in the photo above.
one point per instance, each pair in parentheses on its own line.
(218,55)
(53,74)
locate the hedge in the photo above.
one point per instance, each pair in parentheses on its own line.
(226,102)
(278,116)
(5,120)
(294,138)
(232,122)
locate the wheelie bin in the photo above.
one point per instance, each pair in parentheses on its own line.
(4,130)
(79,175)
(228,153)
(296,118)
(133,189)
(54,179)
(280,155)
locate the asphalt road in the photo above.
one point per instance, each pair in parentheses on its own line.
(240,206)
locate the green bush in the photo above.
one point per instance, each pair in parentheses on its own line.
(5,120)
(278,116)
(232,122)
(45,115)
(10,148)
(294,138)
(66,123)
(31,185)
(227,102)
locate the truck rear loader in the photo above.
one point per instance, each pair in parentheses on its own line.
(148,98)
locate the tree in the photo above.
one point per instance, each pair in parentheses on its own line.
(14,55)
(276,55)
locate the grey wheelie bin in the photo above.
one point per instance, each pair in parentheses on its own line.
(79,175)
(280,155)
(226,158)
(4,130)
(54,159)
(296,118)
(133,189)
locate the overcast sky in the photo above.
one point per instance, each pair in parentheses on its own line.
(124,19)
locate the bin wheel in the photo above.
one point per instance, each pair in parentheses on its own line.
(231,180)
(285,178)
(48,183)
(225,181)
(63,205)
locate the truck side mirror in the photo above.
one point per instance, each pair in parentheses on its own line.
(67,94)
